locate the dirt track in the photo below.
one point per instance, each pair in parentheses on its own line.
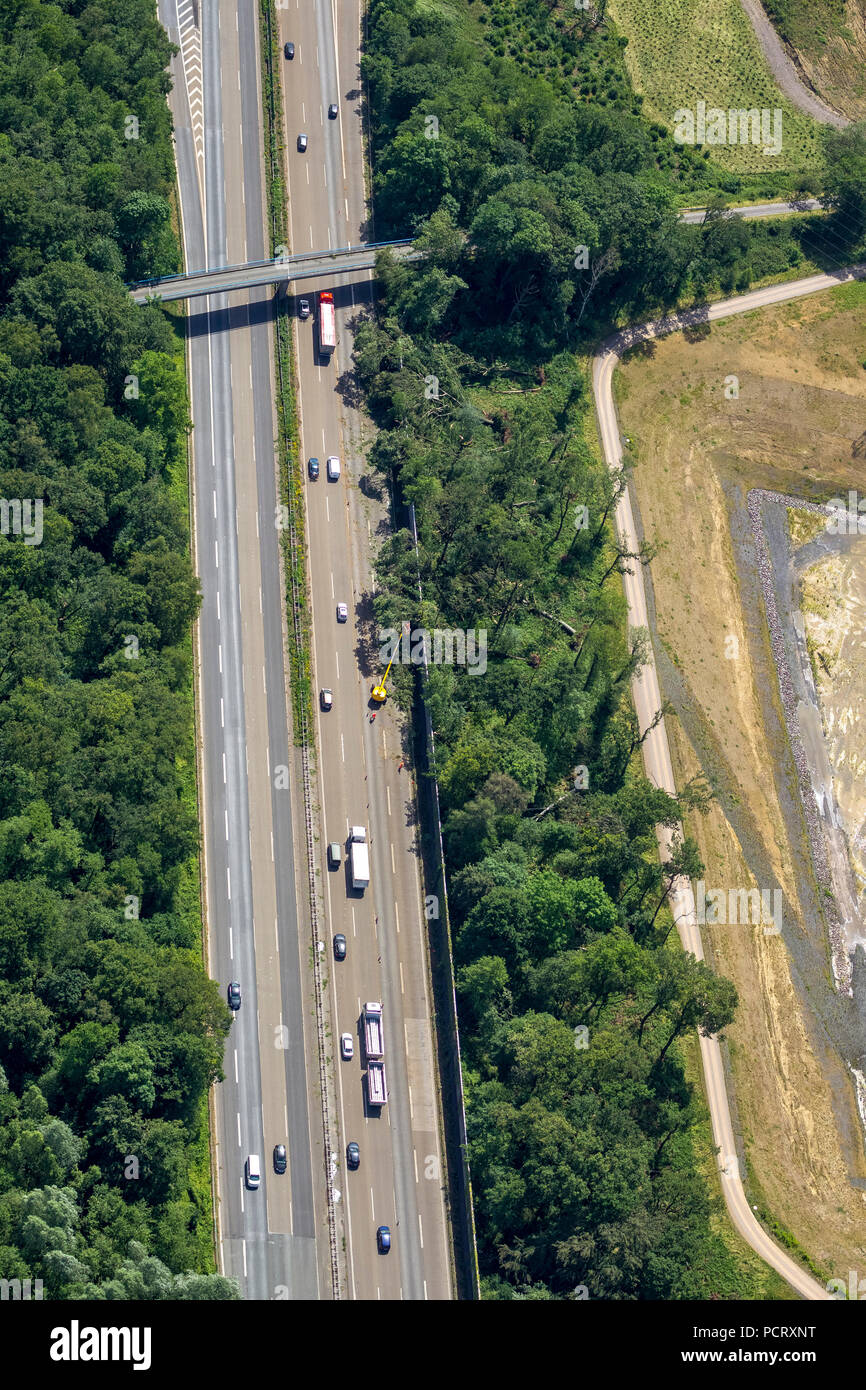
(794,428)
(784,70)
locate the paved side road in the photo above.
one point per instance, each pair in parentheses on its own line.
(657,758)
(752,210)
(784,70)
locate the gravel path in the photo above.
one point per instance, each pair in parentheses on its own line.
(784,70)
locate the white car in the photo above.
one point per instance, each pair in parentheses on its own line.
(347,1047)
(333,467)
(342,613)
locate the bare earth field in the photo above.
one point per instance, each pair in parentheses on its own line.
(791,423)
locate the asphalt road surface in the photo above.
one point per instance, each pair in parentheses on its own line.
(400,1181)
(753,210)
(268,1238)
(275,1239)
(656,752)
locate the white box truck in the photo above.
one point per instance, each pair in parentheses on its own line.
(359,857)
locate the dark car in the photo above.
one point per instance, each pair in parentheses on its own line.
(332,111)
(313,468)
(303,308)
(326,698)
(289,50)
(383,1239)
(339,946)
(353,1155)
(233,994)
(279,1158)
(302,142)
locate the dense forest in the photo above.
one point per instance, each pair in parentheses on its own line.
(552,207)
(588,1138)
(110,1031)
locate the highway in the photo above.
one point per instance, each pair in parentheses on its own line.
(400,1181)
(268,1238)
(275,1240)
(656,751)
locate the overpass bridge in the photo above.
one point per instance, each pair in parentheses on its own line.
(343,260)
(284,270)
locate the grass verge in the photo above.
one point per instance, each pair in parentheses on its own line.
(293,531)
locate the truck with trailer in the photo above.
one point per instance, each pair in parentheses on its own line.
(359,857)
